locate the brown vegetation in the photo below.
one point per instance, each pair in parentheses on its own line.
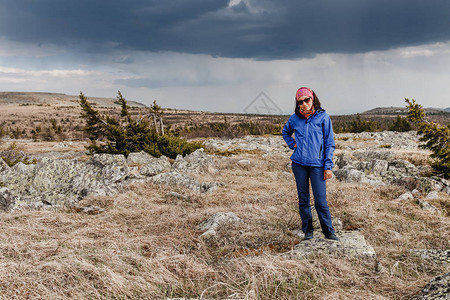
(146,245)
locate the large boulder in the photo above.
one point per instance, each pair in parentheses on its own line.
(196,162)
(155,166)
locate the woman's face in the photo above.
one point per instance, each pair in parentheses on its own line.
(305,102)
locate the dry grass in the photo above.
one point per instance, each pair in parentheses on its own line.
(146,245)
(417,158)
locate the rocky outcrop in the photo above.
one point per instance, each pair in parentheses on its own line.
(378,168)
(59,182)
(437,288)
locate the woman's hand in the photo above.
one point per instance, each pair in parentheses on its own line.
(327,174)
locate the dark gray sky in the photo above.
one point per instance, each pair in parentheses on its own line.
(259,29)
(104,36)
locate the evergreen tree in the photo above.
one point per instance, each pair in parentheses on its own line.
(435,137)
(360,125)
(400,124)
(126,135)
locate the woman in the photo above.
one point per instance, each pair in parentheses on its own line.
(312,158)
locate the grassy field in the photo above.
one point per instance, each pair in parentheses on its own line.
(146,245)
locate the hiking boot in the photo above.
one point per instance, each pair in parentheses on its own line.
(332,237)
(308,236)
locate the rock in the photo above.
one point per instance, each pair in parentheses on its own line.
(268,145)
(352,243)
(369,179)
(415,192)
(446,190)
(343,159)
(405,196)
(62,144)
(408,182)
(427,206)
(140,158)
(90,210)
(113,168)
(218,219)
(354,176)
(373,154)
(435,255)
(64,182)
(208,234)
(175,195)
(244,163)
(155,166)
(377,167)
(20,167)
(195,162)
(432,195)
(180,179)
(342,174)
(3,166)
(429,184)
(55,155)
(437,288)
(7,199)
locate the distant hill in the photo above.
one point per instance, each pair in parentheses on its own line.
(402,111)
(54,99)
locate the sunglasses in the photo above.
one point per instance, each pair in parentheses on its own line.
(300,102)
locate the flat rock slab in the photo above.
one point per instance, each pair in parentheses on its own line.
(352,243)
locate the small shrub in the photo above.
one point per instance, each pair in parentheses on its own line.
(385,146)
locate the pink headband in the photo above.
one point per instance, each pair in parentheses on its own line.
(304,91)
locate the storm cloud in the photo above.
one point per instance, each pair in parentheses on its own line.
(265,30)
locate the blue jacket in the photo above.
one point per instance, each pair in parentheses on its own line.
(314,139)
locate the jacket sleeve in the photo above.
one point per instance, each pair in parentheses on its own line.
(329,143)
(287,134)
